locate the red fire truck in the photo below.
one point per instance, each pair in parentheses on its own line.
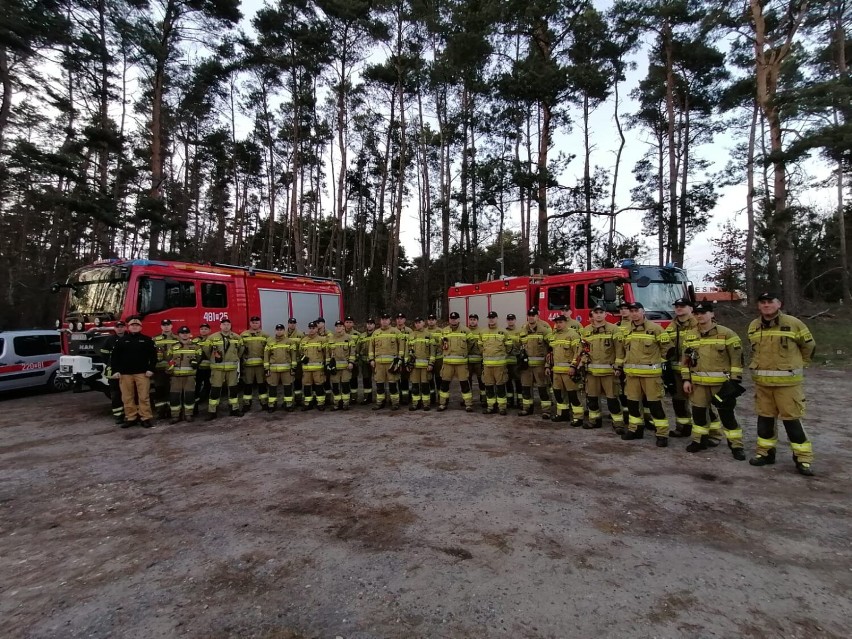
(656,287)
(188,295)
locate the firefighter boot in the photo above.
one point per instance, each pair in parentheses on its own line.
(189,418)
(763,460)
(382,404)
(628,435)
(804,468)
(174,420)
(210,417)
(697,446)
(662,442)
(738,453)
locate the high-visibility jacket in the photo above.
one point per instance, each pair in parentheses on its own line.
(229,347)
(254,344)
(456,343)
(565,345)
(436,340)
(515,337)
(645,346)
(202,343)
(421,344)
(294,335)
(495,345)
(163,343)
(534,341)
(780,350)
(183,359)
(364,344)
(355,338)
(314,348)
(606,348)
(720,356)
(474,355)
(624,326)
(342,348)
(678,330)
(386,344)
(279,354)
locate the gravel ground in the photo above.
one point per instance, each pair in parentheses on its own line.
(364,524)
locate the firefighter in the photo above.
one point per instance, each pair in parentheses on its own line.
(184,358)
(683,323)
(606,354)
(278,363)
(781,347)
(224,350)
(313,356)
(456,341)
(713,355)
(623,327)
(364,360)
(562,364)
(421,348)
(644,346)
(496,344)
(533,340)
(164,341)
(254,377)
(435,381)
(342,353)
(570,322)
(355,336)
(114,386)
(474,358)
(202,375)
(323,332)
(386,353)
(405,335)
(133,361)
(294,336)
(513,385)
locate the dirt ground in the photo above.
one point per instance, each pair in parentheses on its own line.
(366,524)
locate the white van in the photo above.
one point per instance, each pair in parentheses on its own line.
(30,359)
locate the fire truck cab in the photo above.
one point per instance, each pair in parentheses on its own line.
(656,287)
(100,294)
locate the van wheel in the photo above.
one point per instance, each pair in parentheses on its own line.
(58,384)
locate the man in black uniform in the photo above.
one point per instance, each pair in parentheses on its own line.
(133,362)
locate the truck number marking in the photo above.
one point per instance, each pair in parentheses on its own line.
(213,316)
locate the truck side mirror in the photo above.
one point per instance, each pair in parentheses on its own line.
(690,287)
(643,281)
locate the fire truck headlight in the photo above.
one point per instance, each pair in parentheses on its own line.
(97,321)
(79,326)
(58,324)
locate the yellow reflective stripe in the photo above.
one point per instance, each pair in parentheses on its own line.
(791,373)
(454,359)
(766,443)
(804,447)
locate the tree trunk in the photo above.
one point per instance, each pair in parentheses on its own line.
(670,136)
(751,284)
(587,181)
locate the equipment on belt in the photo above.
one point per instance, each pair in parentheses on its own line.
(726,397)
(523,360)
(669,380)
(331,366)
(396,365)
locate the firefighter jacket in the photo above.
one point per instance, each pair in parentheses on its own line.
(572,323)
(279,354)
(495,344)
(780,350)
(294,336)
(224,351)
(202,343)
(313,351)
(364,344)
(254,344)
(421,344)
(515,337)
(565,345)
(355,338)
(678,331)
(163,343)
(534,341)
(438,344)
(718,356)
(644,348)
(184,359)
(342,348)
(606,348)
(456,343)
(474,355)
(386,344)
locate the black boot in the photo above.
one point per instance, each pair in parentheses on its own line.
(738,453)
(382,404)
(804,468)
(763,460)
(696,446)
(662,442)
(210,417)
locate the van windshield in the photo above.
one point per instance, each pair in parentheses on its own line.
(97,291)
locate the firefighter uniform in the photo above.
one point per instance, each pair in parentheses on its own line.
(495,344)
(405,335)
(624,327)
(781,348)
(357,368)
(435,378)
(224,350)
(712,357)
(163,342)
(313,354)
(678,330)
(421,345)
(254,375)
(202,374)
(114,385)
(364,362)
(342,353)
(606,354)
(183,359)
(513,385)
(294,336)
(456,342)
(386,352)
(474,360)
(563,362)
(278,362)
(533,340)
(644,346)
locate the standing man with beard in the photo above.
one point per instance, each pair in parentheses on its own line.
(133,361)
(224,350)
(435,380)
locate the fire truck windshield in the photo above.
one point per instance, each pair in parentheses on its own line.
(657,288)
(96,291)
